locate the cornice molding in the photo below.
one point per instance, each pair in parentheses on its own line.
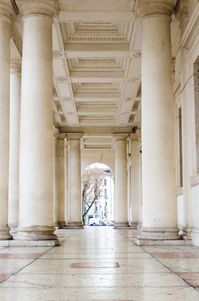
(43,7)
(6,10)
(181,13)
(191,32)
(181,8)
(148,8)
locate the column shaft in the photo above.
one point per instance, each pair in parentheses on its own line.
(15,98)
(4,123)
(36,131)
(60,181)
(121,202)
(55,193)
(159,216)
(66,179)
(74,182)
(135,177)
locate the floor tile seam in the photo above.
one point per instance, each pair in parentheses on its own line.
(172,271)
(89,258)
(93,259)
(22,268)
(96,287)
(122,273)
(85,259)
(96,273)
(99,252)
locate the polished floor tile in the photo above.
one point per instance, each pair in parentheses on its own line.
(3,277)
(94,265)
(25,250)
(99,264)
(95,280)
(191,278)
(181,265)
(10,266)
(19,255)
(176,255)
(99,294)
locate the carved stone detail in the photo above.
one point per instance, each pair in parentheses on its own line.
(96,87)
(44,7)
(146,8)
(6,9)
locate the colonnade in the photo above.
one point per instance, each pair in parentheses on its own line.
(35,177)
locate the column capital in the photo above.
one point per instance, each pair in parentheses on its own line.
(61,136)
(41,7)
(15,67)
(148,8)
(74,136)
(6,10)
(55,132)
(120,136)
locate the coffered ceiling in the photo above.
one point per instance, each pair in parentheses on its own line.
(96,67)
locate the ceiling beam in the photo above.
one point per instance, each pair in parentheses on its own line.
(73,50)
(96,97)
(97,122)
(96,111)
(96,77)
(65,17)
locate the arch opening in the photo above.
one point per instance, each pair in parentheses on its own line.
(97,195)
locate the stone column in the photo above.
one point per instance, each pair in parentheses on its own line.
(36,129)
(66,179)
(135,177)
(159,214)
(15,99)
(121,200)
(60,148)
(5,22)
(55,202)
(74,182)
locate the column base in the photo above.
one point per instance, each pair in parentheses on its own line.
(133,225)
(75,225)
(187,233)
(4,233)
(60,225)
(13,230)
(158,236)
(121,225)
(35,233)
(195,236)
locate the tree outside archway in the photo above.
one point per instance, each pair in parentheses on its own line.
(97,193)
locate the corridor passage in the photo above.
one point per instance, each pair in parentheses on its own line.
(99,264)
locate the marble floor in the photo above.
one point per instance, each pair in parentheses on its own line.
(99,263)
